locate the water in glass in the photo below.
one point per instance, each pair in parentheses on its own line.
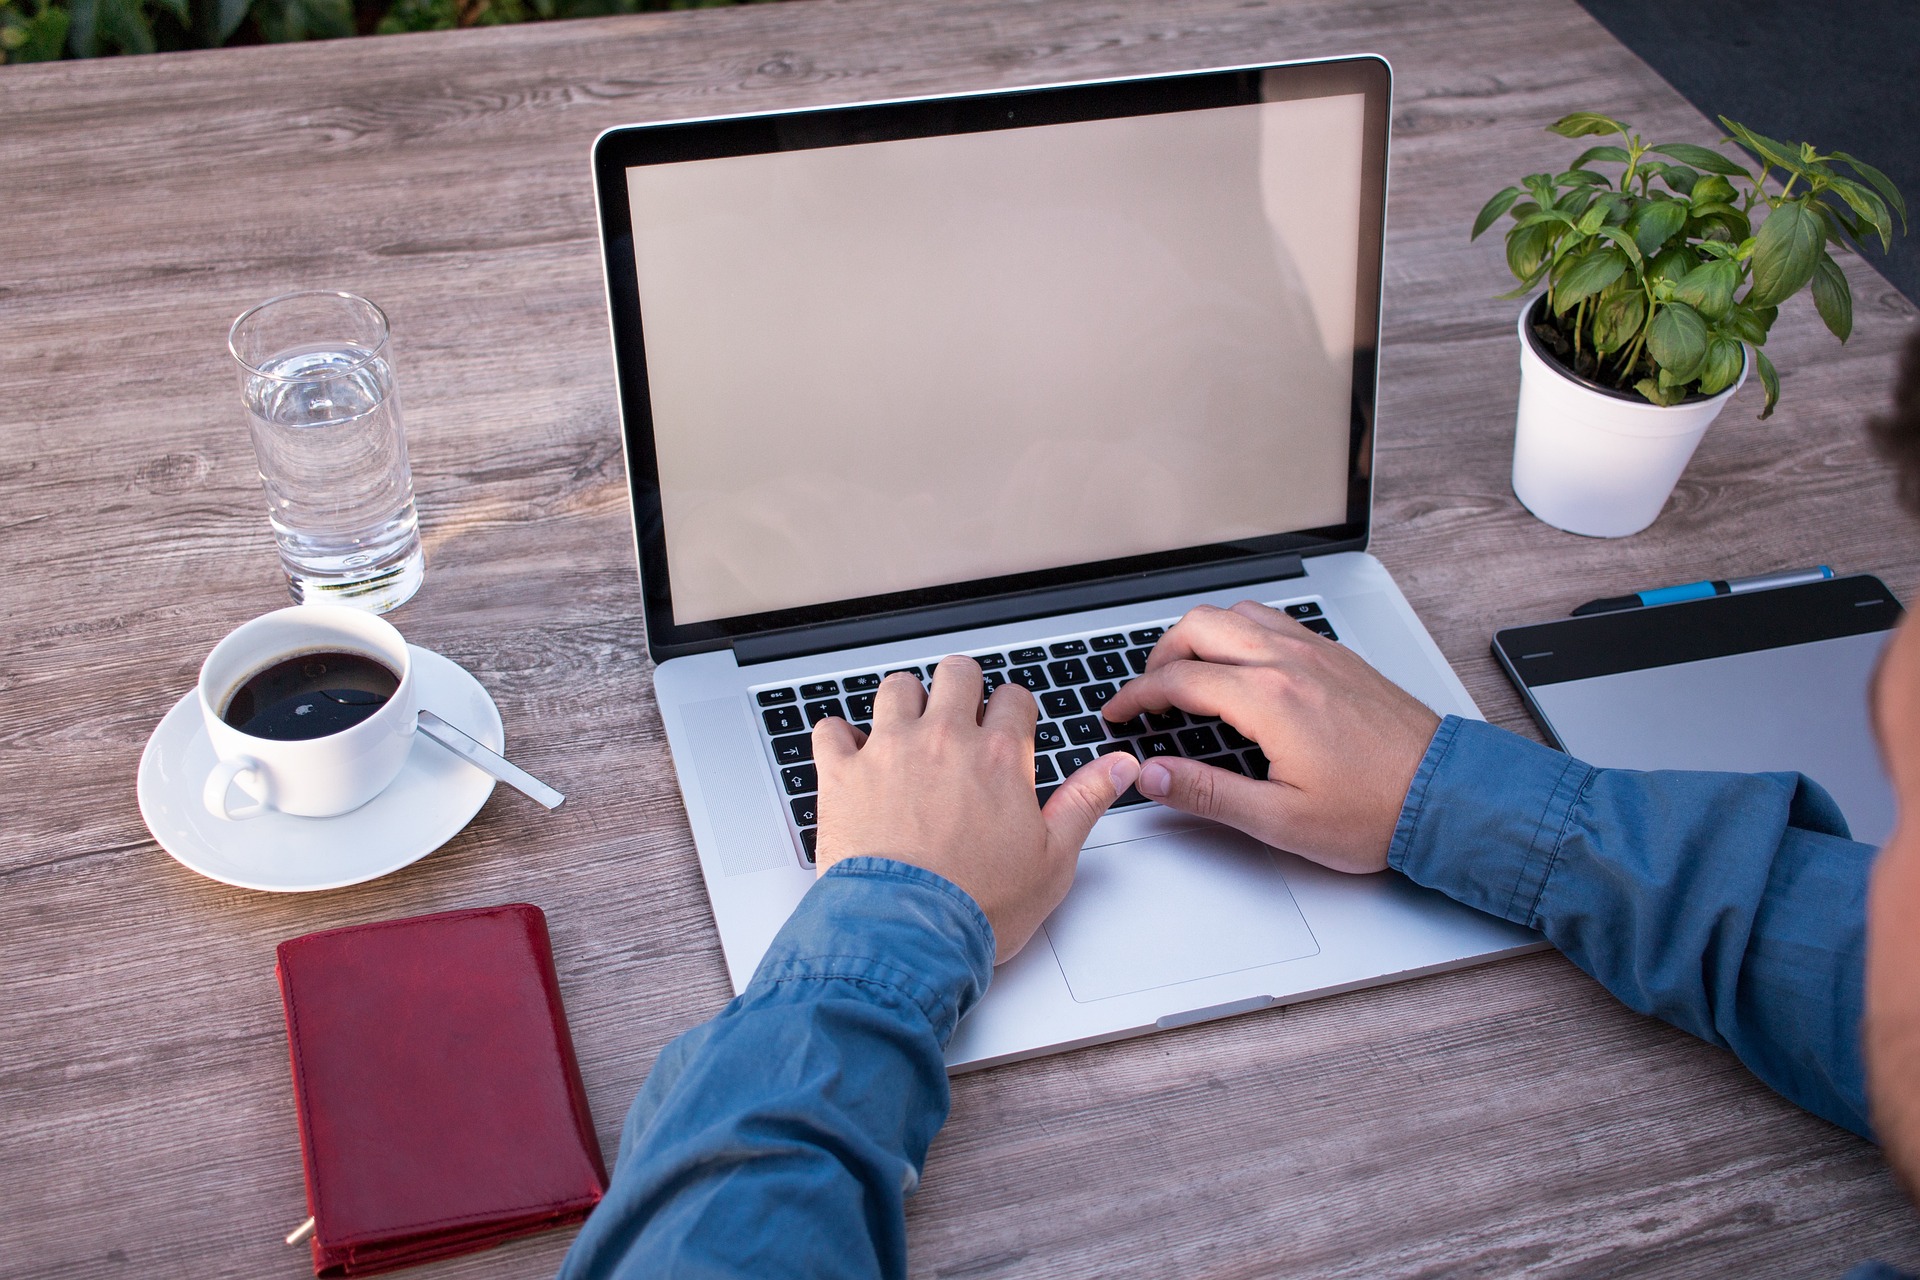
(333,460)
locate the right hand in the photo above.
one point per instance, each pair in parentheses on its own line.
(1344,742)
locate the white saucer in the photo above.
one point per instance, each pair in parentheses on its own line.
(435,795)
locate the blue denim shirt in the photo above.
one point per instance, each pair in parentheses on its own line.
(784,1136)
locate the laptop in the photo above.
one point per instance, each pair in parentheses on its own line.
(1024,375)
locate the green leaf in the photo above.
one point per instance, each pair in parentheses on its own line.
(1660,395)
(1609,154)
(1540,186)
(1582,178)
(1832,297)
(123,25)
(1677,341)
(1708,288)
(1785,250)
(1527,249)
(1722,366)
(1768,379)
(179,9)
(1587,276)
(1593,219)
(1713,189)
(1490,211)
(1718,250)
(1616,320)
(1867,205)
(1671,264)
(1703,158)
(1625,241)
(1777,154)
(1656,222)
(1879,182)
(42,38)
(1676,176)
(1582,123)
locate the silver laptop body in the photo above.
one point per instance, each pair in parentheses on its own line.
(1024,375)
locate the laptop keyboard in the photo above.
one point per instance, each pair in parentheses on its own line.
(1071,678)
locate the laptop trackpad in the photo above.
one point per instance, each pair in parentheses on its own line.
(1174,908)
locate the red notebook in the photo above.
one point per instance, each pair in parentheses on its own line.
(441,1109)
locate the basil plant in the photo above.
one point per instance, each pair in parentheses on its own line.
(1657,279)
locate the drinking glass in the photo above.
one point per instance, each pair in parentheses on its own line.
(316,374)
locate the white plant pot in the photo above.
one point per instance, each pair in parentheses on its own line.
(1597,462)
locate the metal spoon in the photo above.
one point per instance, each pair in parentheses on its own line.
(483,758)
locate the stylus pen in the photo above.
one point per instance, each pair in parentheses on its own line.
(1701,590)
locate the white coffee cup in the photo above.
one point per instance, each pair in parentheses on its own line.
(309,777)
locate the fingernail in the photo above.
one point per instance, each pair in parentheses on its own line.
(1123,771)
(1155,780)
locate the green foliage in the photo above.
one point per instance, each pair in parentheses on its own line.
(43,30)
(1644,272)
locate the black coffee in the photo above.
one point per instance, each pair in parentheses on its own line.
(310,696)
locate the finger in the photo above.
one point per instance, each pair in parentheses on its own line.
(956,690)
(1198,687)
(1011,710)
(1261,615)
(1088,792)
(835,741)
(1261,809)
(1213,635)
(900,699)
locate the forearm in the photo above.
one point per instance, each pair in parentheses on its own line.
(784,1136)
(1730,905)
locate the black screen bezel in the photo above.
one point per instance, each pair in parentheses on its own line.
(619,149)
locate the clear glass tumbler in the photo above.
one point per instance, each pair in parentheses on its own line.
(316,373)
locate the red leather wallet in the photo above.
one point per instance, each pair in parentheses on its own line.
(441,1109)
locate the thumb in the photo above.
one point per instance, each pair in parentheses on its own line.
(1219,794)
(1086,795)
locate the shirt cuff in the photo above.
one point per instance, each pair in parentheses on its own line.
(1484,818)
(885,931)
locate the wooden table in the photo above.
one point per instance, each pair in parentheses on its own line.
(1508,1120)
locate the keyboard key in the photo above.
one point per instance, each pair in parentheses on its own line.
(1047,737)
(1060,704)
(1067,648)
(912,671)
(1108,748)
(1045,794)
(1256,764)
(799,779)
(1322,626)
(1107,666)
(1160,744)
(857,684)
(1305,609)
(1137,659)
(774,697)
(1165,721)
(1127,728)
(1230,763)
(1024,656)
(860,706)
(818,711)
(1097,696)
(1086,729)
(990,661)
(1068,671)
(1130,796)
(1029,677)
(1078,758)
(804,811)
(819,689)
(784,720)
(992,680)
(1197,742)
(1043,771)
(1102,643)
(809,840)
(1147,636)
(795,750)
(1235,740)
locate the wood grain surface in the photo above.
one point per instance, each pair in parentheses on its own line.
(1511,1120)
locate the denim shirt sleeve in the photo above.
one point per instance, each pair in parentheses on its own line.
(784,1135)
(1731,905)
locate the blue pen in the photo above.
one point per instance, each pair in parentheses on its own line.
(1701,590)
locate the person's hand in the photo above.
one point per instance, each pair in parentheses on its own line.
(945,786)
(1343,740)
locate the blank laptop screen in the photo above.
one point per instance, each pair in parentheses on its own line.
(887,366)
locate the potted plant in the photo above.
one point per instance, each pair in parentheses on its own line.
(1660,291)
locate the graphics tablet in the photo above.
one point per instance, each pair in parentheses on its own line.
(1771,681)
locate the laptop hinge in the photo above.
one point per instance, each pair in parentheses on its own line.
(796,642)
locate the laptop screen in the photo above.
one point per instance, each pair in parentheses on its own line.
(889,365)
